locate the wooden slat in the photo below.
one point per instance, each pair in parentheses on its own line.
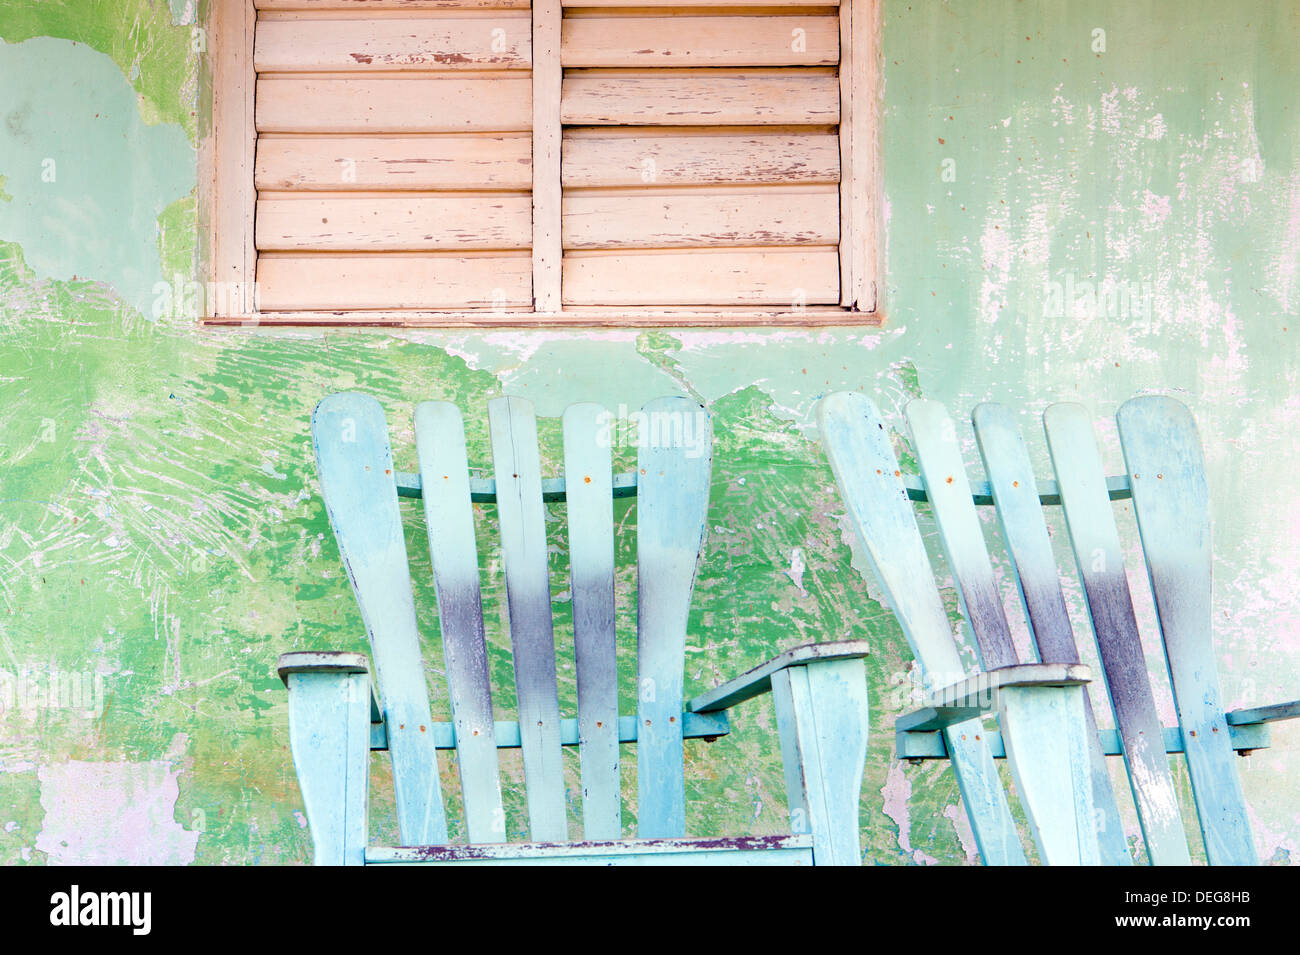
(693,220)
(948,488)
(355,467)
(440,444)
(674,463)
(754,276)
(590,507)
(400,223)
(585,316)
(977,695)
(547,140)
(1015,493)
(1046,738)
(668,159)
(758,97)
(848,64)
(381,43)
(694,726)
(431,280)
(823,718)
(693,10)
(228,196)
(690,5)
(674,41)
(405,105)
(1095,541)
(599,7)
(758,680)
(328,716)
(407,163)
(1024,529)
(517,467)
(735,850)
(373,6)
(483,490)
(1162,452)
(922,745)
(870,481)
(1256,715)
(859,122)
(1035,724)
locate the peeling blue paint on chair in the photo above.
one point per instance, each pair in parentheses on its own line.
(1047,727)
(337,718)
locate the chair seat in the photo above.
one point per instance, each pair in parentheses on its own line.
(736,850)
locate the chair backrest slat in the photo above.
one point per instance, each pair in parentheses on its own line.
(1094,538)
(867,471)
(673,474)
(513,430)
(1163,455)
(440,444)
(588,476)
(355,466)
(939,456)
(1024,531)
(1034,724)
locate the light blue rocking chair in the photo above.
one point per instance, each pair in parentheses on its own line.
(336,721)
(1047,728)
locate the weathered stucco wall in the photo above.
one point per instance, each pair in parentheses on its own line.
(162,537)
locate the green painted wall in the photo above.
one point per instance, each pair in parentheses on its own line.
(162,538)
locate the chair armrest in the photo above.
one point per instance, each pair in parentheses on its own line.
(977,695)
(337,661)
(820,696)
(315,661)
(1264,714)
(757,681)
(332,709)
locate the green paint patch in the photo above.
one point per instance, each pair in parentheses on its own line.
(177,232)
(177,568)
(89,179)
(13,268)
(21,816)
(660,349)
(4,196)
(158,59)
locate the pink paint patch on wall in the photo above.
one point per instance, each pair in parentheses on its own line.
(112,813)
(1155,209)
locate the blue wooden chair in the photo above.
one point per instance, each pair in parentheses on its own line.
(336,722)
(1048,732)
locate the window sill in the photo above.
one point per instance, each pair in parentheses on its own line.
(731,316)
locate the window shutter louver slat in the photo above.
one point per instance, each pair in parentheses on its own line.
(396,163)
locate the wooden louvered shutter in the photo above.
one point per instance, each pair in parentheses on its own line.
(701,163)
(447,161)
(393,154)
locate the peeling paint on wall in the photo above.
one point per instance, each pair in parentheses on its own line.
(160,521)
(112,813)
(88,179)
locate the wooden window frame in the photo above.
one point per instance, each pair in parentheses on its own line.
(228,196)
